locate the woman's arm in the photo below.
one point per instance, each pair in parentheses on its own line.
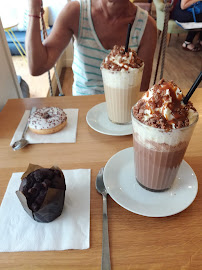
(43,56)
(187,3)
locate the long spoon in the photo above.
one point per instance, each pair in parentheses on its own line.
(106,265)
(23,142)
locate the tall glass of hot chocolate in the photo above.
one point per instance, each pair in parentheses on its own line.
(122,76)
(162,128)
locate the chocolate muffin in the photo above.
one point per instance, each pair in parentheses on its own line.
(44,190)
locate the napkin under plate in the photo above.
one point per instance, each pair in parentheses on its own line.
(71,230)
(66,135)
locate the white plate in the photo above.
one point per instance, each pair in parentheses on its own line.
(119,179)
(98,120)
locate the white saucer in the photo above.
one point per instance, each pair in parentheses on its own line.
(119,179)
(98,120)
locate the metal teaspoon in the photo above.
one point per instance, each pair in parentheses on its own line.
(106,265)
(23,142)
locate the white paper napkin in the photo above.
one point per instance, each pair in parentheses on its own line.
(66,135)
(19,232)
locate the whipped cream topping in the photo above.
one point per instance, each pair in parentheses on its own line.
(46,118)
(119,60)
(162,107)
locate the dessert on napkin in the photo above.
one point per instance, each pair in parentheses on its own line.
(42,192)
(70,230)
(66,135)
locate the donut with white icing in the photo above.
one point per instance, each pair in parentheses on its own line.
(47,120)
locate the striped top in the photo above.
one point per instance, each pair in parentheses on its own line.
(89,52)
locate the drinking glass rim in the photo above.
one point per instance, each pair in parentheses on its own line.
(163,130)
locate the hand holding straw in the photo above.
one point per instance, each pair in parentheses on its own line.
(128,37)
(193,88)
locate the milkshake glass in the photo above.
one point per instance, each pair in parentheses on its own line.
(159,152)
(122,76)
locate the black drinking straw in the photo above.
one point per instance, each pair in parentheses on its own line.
(128,37)
(193,88)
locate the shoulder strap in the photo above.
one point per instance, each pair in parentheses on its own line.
(138,28)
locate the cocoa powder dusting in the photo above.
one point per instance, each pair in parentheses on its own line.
(179,111)
(127,59)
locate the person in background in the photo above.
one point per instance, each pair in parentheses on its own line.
(96,25)
(181,14)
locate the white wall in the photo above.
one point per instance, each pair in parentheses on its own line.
(17,7)
(9,86)
(55,6)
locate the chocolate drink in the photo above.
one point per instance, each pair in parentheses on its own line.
(157,168)
(162,127)
(122,76)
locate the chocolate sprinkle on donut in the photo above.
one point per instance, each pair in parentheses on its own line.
(47,118)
